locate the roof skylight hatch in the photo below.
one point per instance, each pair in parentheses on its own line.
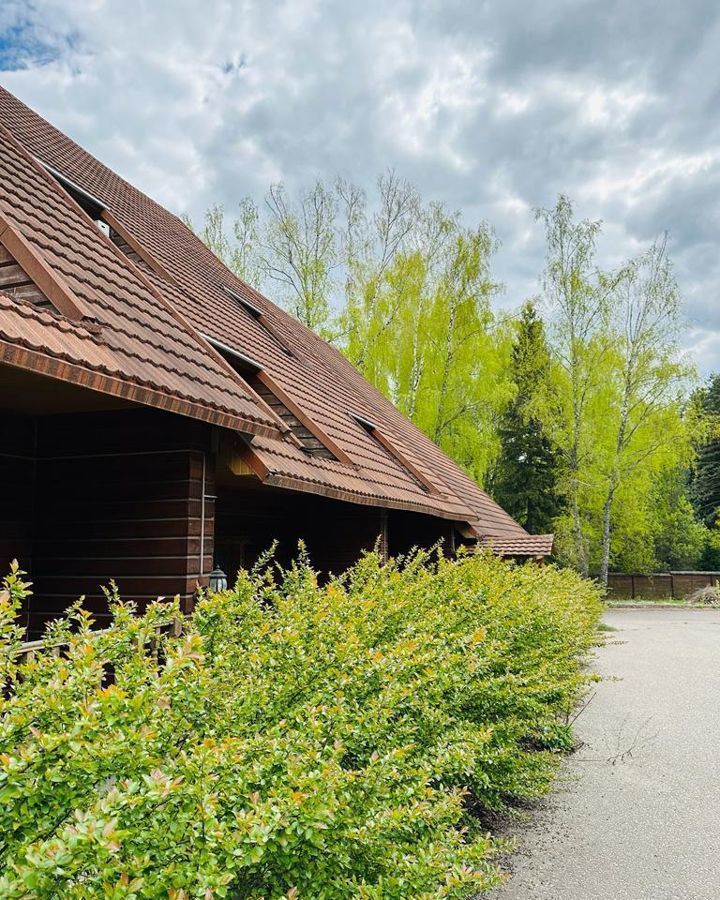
(306,433)
(259,316)
(393,450)
(108,224)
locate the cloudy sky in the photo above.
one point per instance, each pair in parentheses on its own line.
(494,106)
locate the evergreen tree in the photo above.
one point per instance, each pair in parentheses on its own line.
(706,483)
(679,539)
(526,473)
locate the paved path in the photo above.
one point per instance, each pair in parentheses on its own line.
(636,813)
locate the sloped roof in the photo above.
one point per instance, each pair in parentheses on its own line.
(525,545)
(153,315)
(124,338)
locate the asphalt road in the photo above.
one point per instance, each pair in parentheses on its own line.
(636,812)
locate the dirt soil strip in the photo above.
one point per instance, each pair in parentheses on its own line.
(636,812)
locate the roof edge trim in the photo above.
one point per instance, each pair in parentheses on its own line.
(225,348)
(379,435)
(288,482)
(12,354)
(56,173)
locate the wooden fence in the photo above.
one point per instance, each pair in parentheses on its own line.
(29,649)
(628,586)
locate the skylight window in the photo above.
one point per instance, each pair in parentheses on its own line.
(90,204)
(259,316)
(306,433)
(414,470)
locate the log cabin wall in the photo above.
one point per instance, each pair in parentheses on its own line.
(17,482)
(407,530)
(336,533)
(129,495)
(125,496)
(251,518)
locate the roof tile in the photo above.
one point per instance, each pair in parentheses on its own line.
(142,337)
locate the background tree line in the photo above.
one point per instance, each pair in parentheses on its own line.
(578,413)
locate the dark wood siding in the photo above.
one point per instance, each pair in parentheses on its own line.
(335,533)
(407,530)
(17,483)
(126,496)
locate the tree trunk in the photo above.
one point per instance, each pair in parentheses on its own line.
(614,472)
(580,551)
(581,555)
(449,335)
(607,514)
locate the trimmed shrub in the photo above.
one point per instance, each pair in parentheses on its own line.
(297,740)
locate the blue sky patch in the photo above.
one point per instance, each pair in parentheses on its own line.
(21,47)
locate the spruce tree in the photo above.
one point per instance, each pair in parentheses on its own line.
(706,482)
(526,472)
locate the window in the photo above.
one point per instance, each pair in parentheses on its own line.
(259,316)
(306,433)
(414,470)
(89,204)
(109,225)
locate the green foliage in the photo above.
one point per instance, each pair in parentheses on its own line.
(616,404)
(297,740)
(572,436)
(705,490)
(679,538)
(710,557)
(525,477)
(403,290)
(429,340)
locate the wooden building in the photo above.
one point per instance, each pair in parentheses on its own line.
(160,417)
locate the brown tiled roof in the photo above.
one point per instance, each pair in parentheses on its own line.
(535,545)
(128,341)
(160,351)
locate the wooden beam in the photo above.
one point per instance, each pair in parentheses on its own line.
(132,242)
(404,461)
(303,418)
(384,536)
(245,461)
(50,282)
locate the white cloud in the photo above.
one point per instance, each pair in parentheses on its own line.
(493,107)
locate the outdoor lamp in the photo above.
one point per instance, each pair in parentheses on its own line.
(218,580)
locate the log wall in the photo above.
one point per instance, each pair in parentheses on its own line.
(335,533)
(126,496)
(129,496)
(407,530)
(17,484)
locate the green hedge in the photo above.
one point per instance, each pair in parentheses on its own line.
(298,740)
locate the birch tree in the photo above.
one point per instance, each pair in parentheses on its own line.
(373,242)
(578,296)
(648,376)
(237,243)
(467,383)
(298,252)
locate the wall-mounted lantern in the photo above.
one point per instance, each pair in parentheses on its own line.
(218,580)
